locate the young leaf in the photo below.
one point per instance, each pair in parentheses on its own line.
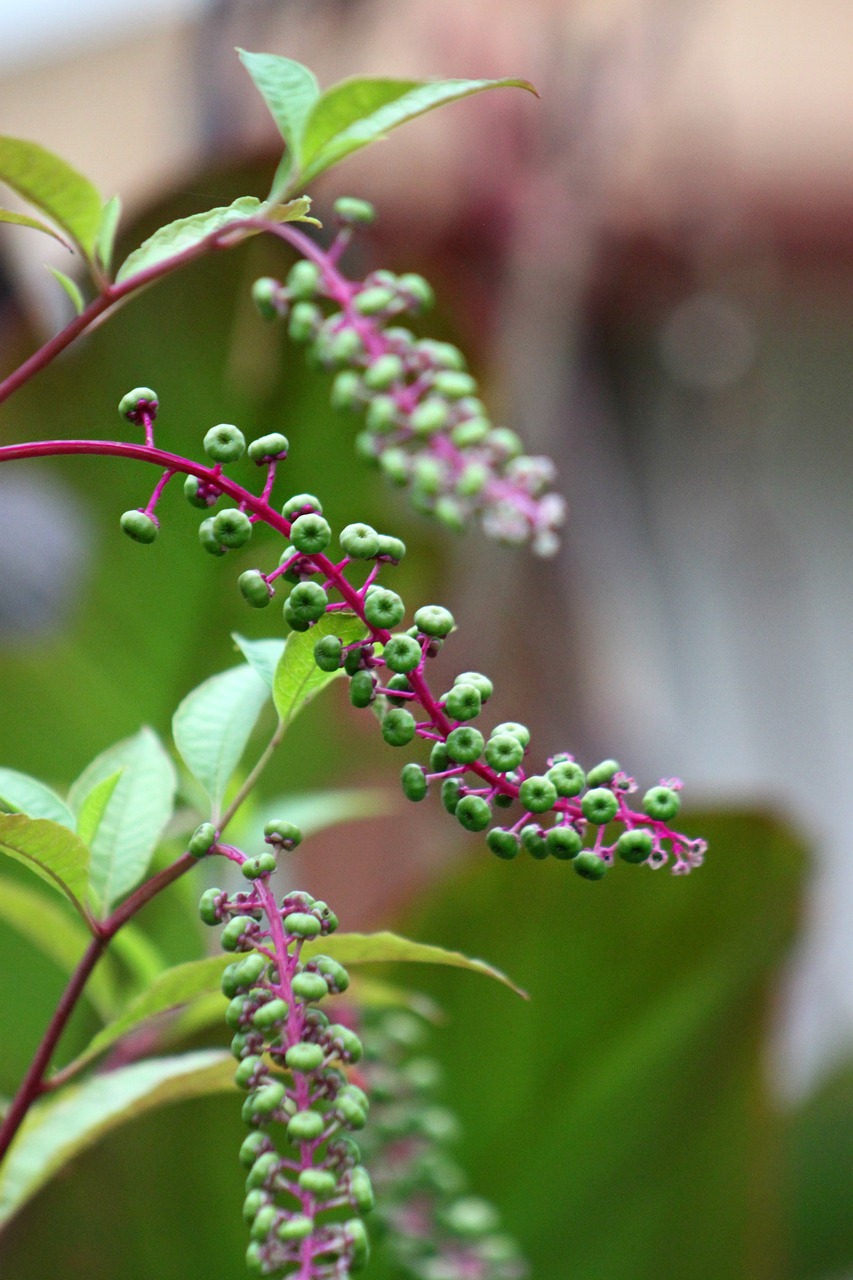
(107,231)
(53,186)
(51,851)
(290,91)
(263,655)
(297,677)
(60,1127)
(71,288)
(23,794)
(213,724)
(185,233)
(93,806)
(135,814)
(355,112)
(59,936)
(22,220)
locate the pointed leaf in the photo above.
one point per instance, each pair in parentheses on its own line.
(59,936)
(22,220)
(71,288)
(93,806)
(59,1128)
(51,851)
(298,678)
(213,724)
(23,794)
(263,655)
(355,112)
(290,91)
(185,233)
(107,231)
(135,814)
(53,186)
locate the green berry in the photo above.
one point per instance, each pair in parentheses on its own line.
(246,1077)
(201,840)
(359,541)
(208,907)
(197,494)
(602,773)
(359,1243)
(310,534)
(589,865)
(450,513)
(567,777)
(504,844)
(305,320)
(428,476)
(263,865)
(345,1042)
(398,727)
(284,835)
(362,688)
(318,1182)
(463,702)
(417,288)
(533,841)
(335,974)
(391,548)
(267,1099)
(266,295)
(208,538)
(354,658)
(235,1013)
(301,925)
(661,803)
(224,443)
(634,846)
(263,1170)
(236,933)
(441,355)
(269,448)
(255,1145)
(360,1189)
(453,384)
(402,654)
(304,1057)
(270,1015)
(537,794)
(504,752)
(309,986)
(474,813)
(232,528)
(382,414)
(300,504)
(328,653)
(305,1126)
(346,391)
(342,347)
(255,589)
(384,609)
(349,210)
(415,785)
(465,745)
(138,403)
(299,1227)
(438,758)
(517,730)
(265,1220)
(599,806)
(504,442)
(242,974)
(472,479)
(307,602)
(429,416)
(383,372)
(303,279)
(394,683)
(139,526)
(450,792)
(434,620)
(563,842)
(470,433)
(373,300)
(395,464)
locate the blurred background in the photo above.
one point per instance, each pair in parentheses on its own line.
(650,269)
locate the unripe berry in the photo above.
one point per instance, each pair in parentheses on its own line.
(360,1190)
(270,448)
(139,526)
(267,1099)
(266,295)
(303,279)
(394,683)
(450,512)
(345,1042)
(383,372)
(335,974)
(318,1182)
(359,1243)
(138,404)
(270,1015)
(263,865)
(305,1126)
(384,609)
(307,602)
(346,391)
(208,907)
(305,320)
(198,494)
(391,548)
(661,803)
(262,1172)
(246,1077)
(414,782)
(224,443)
(463,702)
(504,752)
(362,688)
(473,813)
(440,355)
(398,727)
(232,528)
(301,925)
(470,433)
(237,933)
(355,659)
(310,534)
(373,300)
(504,844)
(309,986)
(533,841)
(506,443)
(465,745)
(300,504)
(201,840)
(589,865)
(537,794)
(359,541)
(517,730)
(304,1057)
(383,414)
(299,1227)
(599,806)
(429,416)
(265,1220)
(402,654)
(254,1145)
(634,846)
(434,620)
(282,835)
(255,589)
(242,974)
(328,653)
(208,538)
(453,384)
(602,773)
(567,777)
(563,842)
(395,464)
(450,792)
(349,210)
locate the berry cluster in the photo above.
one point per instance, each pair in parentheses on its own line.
(387,672)
(424,423)
(433,1228)
(292,1061)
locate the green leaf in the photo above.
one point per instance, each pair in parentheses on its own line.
(135,814)
(263,655)
(23,794)
(290,91)
(107,231)
(140,956)
(297,677)
(51,851)
(59,936)
(22,220)
(59,1128)
(71,288)
(53,186)
(355,112)
(213,724)
(390,948)
(94,805)
(185,233)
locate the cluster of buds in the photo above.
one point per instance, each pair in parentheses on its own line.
(433,1228)
(305,1186)
(424,422)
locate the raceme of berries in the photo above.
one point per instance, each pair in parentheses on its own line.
(306,1189)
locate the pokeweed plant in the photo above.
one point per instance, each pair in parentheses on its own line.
(306,1077)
